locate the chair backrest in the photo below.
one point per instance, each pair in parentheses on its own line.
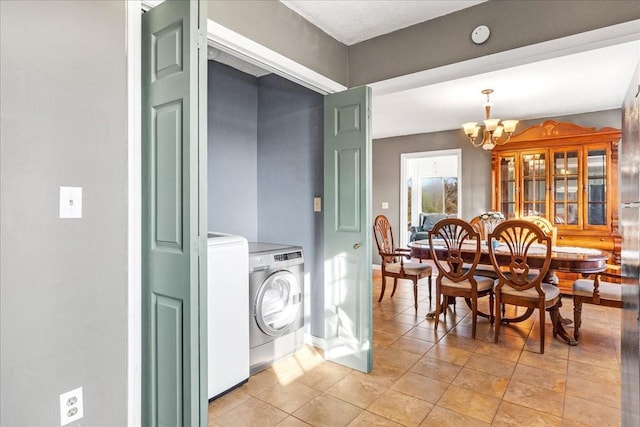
(384,238)
(546,226)
(455,235)
(479,226)
(521,241)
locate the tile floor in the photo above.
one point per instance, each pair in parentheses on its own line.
(424,376)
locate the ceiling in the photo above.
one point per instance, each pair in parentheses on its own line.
(591,80)
(351,22)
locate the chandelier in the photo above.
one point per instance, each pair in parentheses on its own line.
(494,130)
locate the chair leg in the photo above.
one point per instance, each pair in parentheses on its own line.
(474,319)
(430,284)
(577,318)
(491,302)
(439,302)
(395,285)
(554,313)
(542,327)
(415,293)
(384,286)
(497,320)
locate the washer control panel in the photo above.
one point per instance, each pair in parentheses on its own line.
(279,259)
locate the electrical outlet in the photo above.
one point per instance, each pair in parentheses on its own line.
(71,406)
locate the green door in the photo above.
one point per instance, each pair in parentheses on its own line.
(347,228)
(174,351)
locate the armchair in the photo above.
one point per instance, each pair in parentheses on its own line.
(426,221)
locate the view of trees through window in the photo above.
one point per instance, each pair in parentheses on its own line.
(431,184)
(440,194)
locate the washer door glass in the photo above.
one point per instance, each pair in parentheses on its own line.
(278,303)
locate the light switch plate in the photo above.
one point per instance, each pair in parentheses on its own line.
(317,204)
(70,202)
(385,205)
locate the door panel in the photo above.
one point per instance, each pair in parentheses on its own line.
(173,258)
(347,238)
(347,180)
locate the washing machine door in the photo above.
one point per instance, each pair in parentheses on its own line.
(278,303)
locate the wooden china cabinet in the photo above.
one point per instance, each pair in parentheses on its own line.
(566,173)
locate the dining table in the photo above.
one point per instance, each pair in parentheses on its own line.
(572,259)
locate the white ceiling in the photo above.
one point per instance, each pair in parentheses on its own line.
(354,21)
(571,83)
(594,80)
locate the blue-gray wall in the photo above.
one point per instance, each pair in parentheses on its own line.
(290,174)
(232,151)
(265,167)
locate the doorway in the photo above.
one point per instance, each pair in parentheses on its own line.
(430,183)
(242,47)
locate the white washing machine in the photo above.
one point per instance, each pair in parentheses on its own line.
(228,314)
(276,309)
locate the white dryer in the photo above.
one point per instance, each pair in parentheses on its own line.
(228,315)
(276,279)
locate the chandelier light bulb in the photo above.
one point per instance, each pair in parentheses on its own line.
(491,124)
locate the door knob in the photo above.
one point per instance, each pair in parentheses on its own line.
(356,246)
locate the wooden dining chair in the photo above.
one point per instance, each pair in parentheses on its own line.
(545,225)
(393,260)
(594,291)
(480,227)
(482,269)
(550,230)
(456,278)
(519,283)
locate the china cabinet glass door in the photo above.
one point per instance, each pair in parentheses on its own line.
(508,185)
(566,186)
(534,185)
(596,187)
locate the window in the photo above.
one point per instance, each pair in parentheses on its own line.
(431,184)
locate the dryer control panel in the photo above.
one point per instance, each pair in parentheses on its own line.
(281,258)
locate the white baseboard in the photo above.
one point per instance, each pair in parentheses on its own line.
(317,342)
(376,267)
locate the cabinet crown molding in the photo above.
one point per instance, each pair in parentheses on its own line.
(551,129)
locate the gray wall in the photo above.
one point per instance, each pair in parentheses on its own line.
(232,151)
(513,24)
(290,174)
(275,26)
(476,165)
(447,39)
(63,282)
(476,173)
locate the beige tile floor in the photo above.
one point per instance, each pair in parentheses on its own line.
(424,376)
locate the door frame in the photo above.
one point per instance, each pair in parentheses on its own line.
(133,18)
(404,157)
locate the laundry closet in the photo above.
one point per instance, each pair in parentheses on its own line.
(265,166)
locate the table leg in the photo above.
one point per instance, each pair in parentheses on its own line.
(480,313)
(521,318)
(558,326)
(553,279)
